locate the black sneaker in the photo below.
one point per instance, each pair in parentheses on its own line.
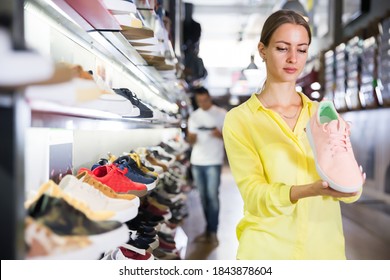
(63,219)
(145,111)
(142,242)
(166,237)
(140,221)
(142,230)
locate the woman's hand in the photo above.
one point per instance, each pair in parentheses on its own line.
(315,189)
(322,188)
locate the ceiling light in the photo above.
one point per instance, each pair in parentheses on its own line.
(253,74)
(296,6)
(242,77)
(252,65)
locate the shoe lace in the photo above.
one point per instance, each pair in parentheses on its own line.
(339,140)
(137,159)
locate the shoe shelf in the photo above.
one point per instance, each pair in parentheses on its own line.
(109,40)
(95,13)
(136,62)
(80,118)
(106,45)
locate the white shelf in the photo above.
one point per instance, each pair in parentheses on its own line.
(110,44)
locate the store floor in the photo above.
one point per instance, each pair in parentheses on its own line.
(361,244)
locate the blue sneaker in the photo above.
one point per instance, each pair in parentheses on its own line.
(134,173)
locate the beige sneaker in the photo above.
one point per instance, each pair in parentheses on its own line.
(328,136)
(124,209)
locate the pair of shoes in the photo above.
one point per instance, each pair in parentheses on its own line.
(328,136)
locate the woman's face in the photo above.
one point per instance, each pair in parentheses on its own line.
(286,53)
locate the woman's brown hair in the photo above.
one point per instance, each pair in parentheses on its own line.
(279,18)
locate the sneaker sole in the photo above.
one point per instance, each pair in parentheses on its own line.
(125,215)
(107,241)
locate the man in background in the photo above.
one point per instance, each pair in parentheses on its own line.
(207,157)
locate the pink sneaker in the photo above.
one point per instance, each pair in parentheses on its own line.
(328,136)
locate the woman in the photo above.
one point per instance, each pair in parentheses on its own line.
(289,213)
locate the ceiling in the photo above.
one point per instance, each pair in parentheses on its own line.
(231,31)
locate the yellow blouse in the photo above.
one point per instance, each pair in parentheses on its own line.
(266,158)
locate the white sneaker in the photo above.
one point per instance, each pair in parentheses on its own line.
(124,210)
(113,103)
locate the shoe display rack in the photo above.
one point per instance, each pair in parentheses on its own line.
(354,50)
(329,74)
(361,67)
(61,137)
(369,73)
(147,79)
(341,75)
(384,61)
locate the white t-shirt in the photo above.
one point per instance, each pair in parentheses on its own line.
(208,149)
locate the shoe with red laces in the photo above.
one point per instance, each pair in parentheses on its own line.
(328,136)
(116,179)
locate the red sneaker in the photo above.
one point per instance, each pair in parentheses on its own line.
(116,179)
